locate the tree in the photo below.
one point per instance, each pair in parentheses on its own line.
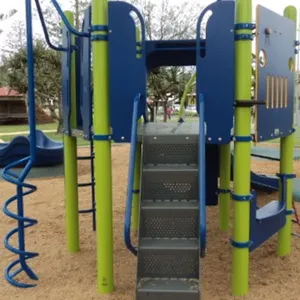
(4,17)
(16,38)
(164,21)
(47,76)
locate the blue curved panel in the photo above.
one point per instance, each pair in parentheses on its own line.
(215,70)
(48,152)
(127,71)
(275,80)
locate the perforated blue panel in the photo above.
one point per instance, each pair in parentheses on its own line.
(275,81)
(215,71)
(66,75)
(127,72)
(86,104)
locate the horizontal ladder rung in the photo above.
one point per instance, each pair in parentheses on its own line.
(86,184)
(87,211)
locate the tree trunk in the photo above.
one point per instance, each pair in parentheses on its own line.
(151,108)
(165,112)
(60,117)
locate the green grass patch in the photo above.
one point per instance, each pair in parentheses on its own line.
(51,135)
(25,127)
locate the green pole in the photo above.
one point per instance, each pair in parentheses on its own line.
(103,167)
(242,150)
(137,168)
(185,94)
(286,167)
(224,196)
(70,164)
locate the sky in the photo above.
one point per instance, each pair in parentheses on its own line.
(275,5)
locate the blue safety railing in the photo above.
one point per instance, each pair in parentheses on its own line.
(18,179)
(130,182)
(202,179)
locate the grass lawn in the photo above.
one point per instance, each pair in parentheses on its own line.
(50,135)
(24,127)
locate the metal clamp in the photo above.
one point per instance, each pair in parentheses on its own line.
(240,245)
(289,212)
(297,43)
(242,198)
(241,26)
(99,37)
(248,103)
(102,137)
(223,191)
(284,176)
(99,28)
(248,138)
(135,191)
(244,37)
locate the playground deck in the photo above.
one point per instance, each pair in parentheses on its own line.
(65,276)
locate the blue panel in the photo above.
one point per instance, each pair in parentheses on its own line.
(171,53)
(215,71)
(66,75)
(78,43)
(86,104)
(127,71)
(212,172)
(275,119)
(266,221)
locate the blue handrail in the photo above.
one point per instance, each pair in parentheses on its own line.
(45,30)
(66,22)
(202,179)
(18,179)
(130,183)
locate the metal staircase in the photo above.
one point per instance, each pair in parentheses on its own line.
(169,242)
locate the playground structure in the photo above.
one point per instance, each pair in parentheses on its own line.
(174,176)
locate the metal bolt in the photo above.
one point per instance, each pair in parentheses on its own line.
(122,138)
(220,139)
(209,139)
(155,138)
(187,138)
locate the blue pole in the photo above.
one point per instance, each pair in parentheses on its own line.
(202,177)
(31,85)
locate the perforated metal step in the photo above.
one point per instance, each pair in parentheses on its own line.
(169,258)
(168,288)
(165,182)
(169,219)
(168,251)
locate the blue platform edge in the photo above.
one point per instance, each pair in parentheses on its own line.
(48,152)
(219,51)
